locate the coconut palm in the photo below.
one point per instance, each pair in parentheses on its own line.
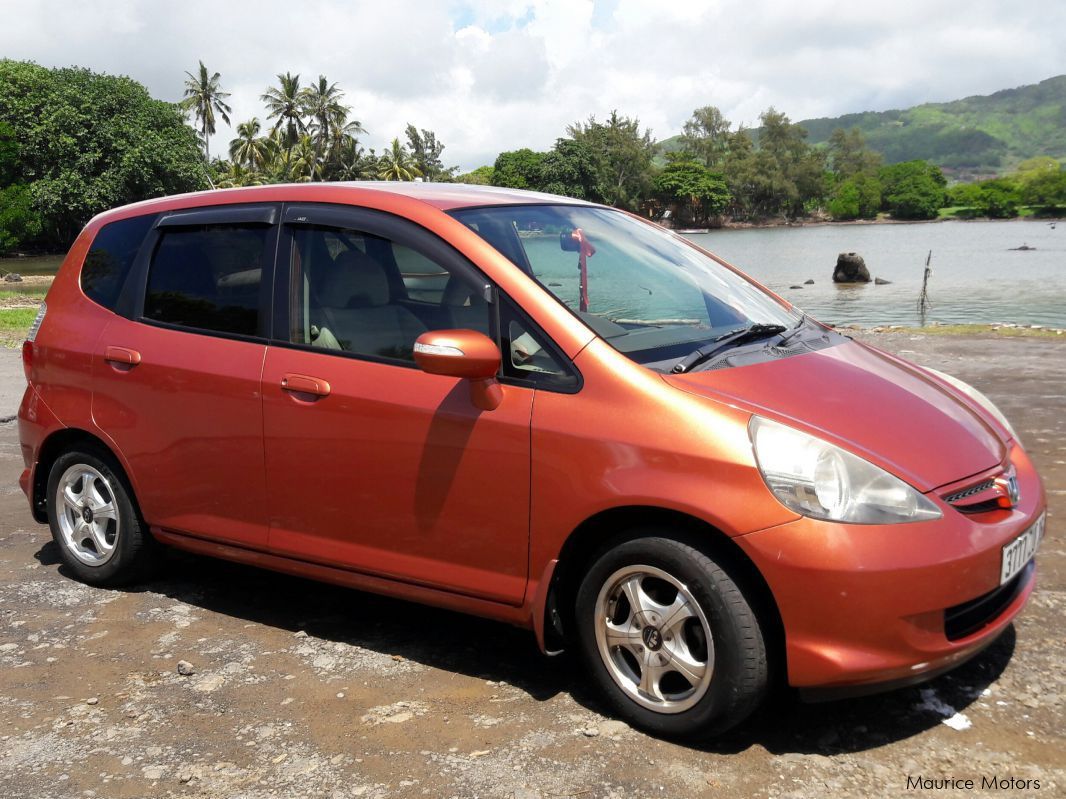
(204,98)
(249,148)
(237,175)
(322,103)
(303,163)
(396,164)
(349,161)
(285,103)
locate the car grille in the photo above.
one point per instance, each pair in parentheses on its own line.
(969,617)
(987,495)
(966,493)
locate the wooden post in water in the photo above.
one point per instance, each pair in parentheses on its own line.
(923,299)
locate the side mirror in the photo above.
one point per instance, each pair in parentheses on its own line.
(465,354)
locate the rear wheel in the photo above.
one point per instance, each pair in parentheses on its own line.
(100,535)
(670,638)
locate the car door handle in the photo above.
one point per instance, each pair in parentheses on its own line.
(302,384)
(122,355)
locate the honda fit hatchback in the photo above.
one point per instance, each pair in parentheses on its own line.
(532,409)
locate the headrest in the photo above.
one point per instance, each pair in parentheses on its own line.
(354,280)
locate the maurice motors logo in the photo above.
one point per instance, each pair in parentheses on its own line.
(917,782)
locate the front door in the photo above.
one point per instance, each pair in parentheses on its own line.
(373,465)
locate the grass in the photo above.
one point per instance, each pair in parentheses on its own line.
(36,292)
(14,322)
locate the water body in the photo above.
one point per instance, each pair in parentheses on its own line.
(977,278)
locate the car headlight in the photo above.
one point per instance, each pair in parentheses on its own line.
(817,479)
(977,397)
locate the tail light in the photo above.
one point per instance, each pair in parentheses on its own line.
(31,336)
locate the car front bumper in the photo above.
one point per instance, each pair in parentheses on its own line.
(871,606)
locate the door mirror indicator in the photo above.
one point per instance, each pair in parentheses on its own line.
(465,354)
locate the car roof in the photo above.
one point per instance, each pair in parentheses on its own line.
(443,196)
(447,196)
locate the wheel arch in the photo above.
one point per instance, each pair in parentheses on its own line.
(616,525)
(51,448)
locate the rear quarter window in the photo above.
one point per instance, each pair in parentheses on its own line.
(110,258)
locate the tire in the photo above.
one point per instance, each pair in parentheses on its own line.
(95,523)
(691,662)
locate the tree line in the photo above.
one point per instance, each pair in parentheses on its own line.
(313,137)
(74,143)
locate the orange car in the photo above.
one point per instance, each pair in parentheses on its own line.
(532,409)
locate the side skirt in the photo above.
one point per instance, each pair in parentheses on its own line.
(518,616)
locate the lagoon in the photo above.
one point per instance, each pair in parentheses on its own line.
(977,278)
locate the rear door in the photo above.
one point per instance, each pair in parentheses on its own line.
(177,374)
(372,464)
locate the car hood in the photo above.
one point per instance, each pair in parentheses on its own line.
(868,402)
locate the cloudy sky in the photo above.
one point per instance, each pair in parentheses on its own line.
(489,76)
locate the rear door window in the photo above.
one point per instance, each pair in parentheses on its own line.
(209,278)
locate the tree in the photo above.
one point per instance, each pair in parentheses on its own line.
(1046,189)
(285,103)
(701,192)
(249,149)
(849,156)
(351,162)
(912,189)
(518,169)
(482,176)
(623,158)
(89,142)
(329,116)
(19,222)
(204,98)
(1001,198)
(705,136)
(426,151)
(857,197)
(569,169)
(397,164)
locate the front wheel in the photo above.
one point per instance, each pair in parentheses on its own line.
(670,638)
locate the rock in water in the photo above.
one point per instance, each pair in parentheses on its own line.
(880,281)
(850,268)
(808,282)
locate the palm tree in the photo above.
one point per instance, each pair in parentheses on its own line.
(285,103)
(303,163)
(204,97)
(237,175)
(249,148)
(350,162)
(322,103)
(396,164)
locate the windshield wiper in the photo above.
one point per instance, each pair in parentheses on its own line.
(725,341)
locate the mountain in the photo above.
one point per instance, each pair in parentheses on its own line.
(979,135)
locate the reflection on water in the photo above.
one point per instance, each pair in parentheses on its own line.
(37,265)
(977,277)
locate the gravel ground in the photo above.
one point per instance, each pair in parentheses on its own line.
(217,680)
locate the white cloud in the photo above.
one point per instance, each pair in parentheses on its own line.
(489,75)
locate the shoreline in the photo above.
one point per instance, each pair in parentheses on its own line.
(816,222)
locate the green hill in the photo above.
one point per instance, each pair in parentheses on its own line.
(984,134)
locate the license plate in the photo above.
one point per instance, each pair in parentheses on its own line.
(1021,550)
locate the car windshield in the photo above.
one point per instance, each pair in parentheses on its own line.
(645,290)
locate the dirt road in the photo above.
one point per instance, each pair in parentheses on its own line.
(300,689)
